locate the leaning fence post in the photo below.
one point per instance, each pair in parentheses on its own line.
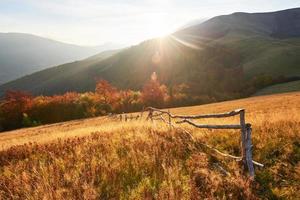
(170,123)
(150,115)
(243,135)
(248,149)
(142,112)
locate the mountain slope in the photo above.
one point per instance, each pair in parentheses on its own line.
(219,58)
(129,68)
(267,42)
(280,24)
(280,88)
(22,54)
(60,78)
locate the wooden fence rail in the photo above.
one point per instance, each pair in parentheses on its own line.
(220,115)
(246,130)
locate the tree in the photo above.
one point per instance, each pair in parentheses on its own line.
(153,93)
(179,93)
(106,91)
(14,105)
(129,101)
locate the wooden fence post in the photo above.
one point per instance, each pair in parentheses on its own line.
(170,122)
(246,131)
(248,150)
(243,135)
(151,115)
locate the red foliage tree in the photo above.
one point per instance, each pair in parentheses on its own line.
(57,108)
(14,105)
(106,91)
(153,93)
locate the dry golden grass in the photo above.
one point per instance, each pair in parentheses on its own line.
(100,158)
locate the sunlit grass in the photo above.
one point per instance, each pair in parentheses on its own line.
(104,159)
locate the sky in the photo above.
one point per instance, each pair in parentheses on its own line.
(96,22)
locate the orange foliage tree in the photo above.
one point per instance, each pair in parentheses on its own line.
(19,109)
(153,93)
(108,96)
(14,105)
(129,101)
(58,108)
(107,92)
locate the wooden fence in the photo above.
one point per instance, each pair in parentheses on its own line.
(245,129)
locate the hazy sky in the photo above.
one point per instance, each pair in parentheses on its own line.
(93,22)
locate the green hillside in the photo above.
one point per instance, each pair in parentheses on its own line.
(223,58)
(173,62)
(280,88)
(268,55)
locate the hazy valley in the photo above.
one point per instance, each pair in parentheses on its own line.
(22,54)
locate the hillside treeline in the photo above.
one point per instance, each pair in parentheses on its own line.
(20,109)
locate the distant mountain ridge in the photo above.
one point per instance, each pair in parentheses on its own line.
(280,24)
(219,57)
(22,54)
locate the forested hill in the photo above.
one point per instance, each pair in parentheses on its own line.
(225,57)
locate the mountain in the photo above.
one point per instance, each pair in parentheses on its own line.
(192,23)
(280,24)
(280,88)
(224,57)
(22,54)
(267,42)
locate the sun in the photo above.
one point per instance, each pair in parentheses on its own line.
(161,29)
(158,26)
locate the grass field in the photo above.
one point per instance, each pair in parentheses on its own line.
(104,159)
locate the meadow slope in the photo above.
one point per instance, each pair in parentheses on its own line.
(106,159)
